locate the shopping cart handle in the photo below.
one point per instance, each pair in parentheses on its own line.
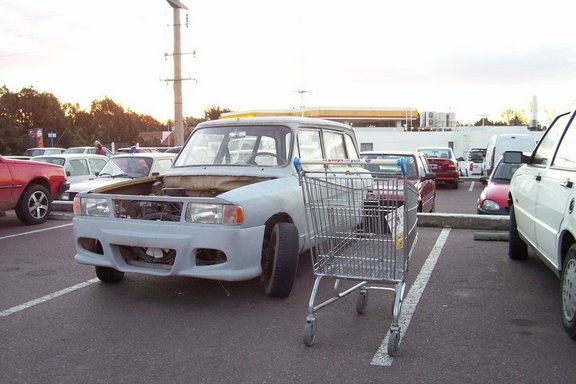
(297,164)
(401,162)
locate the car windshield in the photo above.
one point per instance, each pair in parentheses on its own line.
(476,156)
(437,153)
(505,171)
(392,169)
(74,150)
(238,146)
(133,166)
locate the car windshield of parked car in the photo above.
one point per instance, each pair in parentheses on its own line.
(392,169)
(476,156)
(132,166)
(238,146)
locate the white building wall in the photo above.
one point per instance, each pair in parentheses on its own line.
(461,139)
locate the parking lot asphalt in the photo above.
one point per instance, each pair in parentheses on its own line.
(470,315)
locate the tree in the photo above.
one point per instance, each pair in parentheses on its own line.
(214,113)
(514,117)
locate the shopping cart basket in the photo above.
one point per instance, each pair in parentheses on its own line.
(362,227)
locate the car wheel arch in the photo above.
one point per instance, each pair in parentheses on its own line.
(567,239)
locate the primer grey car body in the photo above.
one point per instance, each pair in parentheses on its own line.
(230,208)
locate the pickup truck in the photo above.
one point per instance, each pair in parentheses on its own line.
(230,208)
(29,187)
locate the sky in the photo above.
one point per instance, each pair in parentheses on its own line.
(476,59)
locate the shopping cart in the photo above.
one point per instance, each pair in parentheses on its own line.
(362,226)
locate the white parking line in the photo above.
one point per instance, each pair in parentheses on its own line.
(21,307)
(411,300)
(35,231)
(471,186)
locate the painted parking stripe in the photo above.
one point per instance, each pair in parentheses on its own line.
(471,186)
(35,231)
(21,307)
(412,298)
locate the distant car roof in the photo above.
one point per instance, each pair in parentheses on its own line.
(72,155)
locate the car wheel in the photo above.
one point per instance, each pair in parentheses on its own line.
(517,248)
(280,260)
(568,286)
(109,275)
(34,205)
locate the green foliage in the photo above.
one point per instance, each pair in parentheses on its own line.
(106,121)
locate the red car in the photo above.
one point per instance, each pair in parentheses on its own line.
(417,172)
(444,164)
(29,187)
(493,199)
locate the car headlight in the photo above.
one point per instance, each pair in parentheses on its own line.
(91,206)
(214,214)
(490,205)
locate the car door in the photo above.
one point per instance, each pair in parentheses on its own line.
(6,184)
(428,186)
(77,170)
(556,193)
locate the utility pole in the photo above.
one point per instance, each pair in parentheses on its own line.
(302,92)
(178,113)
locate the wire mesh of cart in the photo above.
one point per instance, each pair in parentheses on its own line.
(362,227)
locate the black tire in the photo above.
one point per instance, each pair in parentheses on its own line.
(517,248)
(280,260)
(34,205)
(568,292)
(109,275)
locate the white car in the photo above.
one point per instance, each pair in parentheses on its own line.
(78,167)
(542,199)
(230,208)
(91,149)
(117,169)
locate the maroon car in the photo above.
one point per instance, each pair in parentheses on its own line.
(417,172)
(444,164)
(493,199)
(29,187)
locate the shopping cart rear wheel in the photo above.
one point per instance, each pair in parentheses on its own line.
(362,303)
(310,333)
(393,340)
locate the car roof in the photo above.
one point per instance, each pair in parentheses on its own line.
(72,156)
(285,120)
(144,154)
(395,152)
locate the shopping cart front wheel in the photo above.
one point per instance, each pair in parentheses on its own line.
(310,332)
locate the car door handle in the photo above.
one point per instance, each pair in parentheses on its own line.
(538,178)
(567,183)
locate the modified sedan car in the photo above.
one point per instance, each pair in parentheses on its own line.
(29,188)
(230,208)
(444,164)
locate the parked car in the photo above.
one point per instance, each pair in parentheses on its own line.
(471,164)
(500,143)
(418,172)
(29,188)
(138,150)
(234,213)
(542,199)
(493,199)
(118,168)
(31,152)
(91,150)
(78,167)
(443,163)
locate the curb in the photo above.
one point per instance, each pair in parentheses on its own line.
(464,221)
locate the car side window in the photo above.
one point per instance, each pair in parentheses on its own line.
(545,150)
(309,145)
(97,164)
(335,147)
(78,167)
(352,153)
(566,156)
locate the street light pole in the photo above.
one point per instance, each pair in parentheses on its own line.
(177,56)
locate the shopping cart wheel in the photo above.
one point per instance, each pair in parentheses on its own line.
(393,340)
(309,333)
(361,303)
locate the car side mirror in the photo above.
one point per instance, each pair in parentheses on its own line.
(460,158)
(483,180)
(67,173)
(515,157)
(429,176)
